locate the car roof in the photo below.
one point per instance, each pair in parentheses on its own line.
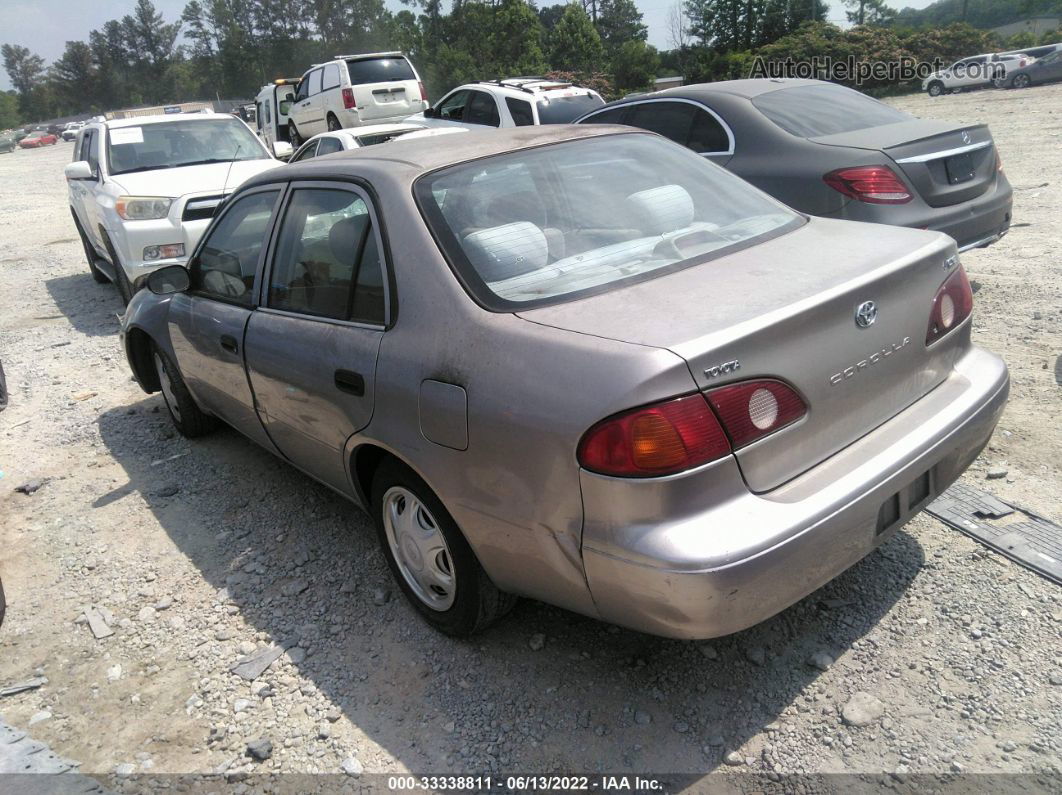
(138,121)
(406,160)
(748,88)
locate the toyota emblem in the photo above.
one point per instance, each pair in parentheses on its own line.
(866,314)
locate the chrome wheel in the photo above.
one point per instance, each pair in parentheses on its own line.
(1021,81)
(419,548)
(167,388)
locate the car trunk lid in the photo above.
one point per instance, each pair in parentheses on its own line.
(786,310)
(944,162)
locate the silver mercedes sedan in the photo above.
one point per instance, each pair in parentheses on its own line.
(578,364)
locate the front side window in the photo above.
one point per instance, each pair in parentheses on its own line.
(552,223)
(811,111)
(88,150)
(520,110)
(303,89)
(315,82)
(228,259)
(328,262)
(172,144)
(453,107)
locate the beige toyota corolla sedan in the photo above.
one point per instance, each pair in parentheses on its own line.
(578,364)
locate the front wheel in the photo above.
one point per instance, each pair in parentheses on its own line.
(188,418)
(935,89)
(430,558)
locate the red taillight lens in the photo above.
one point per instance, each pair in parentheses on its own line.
(348,99)
(871,184)
(750,410)
(951,306)
(655,440)
(423,92)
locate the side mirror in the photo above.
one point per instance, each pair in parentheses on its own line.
(282,150)
(79,169)
(169,280)
(431,113)
(284,107)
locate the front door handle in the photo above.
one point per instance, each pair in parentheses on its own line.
(228,342)
(350,382)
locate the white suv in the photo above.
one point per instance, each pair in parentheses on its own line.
(977,71)
(515,102)
(351,90)
(143,190)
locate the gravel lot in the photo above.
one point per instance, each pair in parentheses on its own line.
(932,655)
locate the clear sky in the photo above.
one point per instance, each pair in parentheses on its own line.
(45,25)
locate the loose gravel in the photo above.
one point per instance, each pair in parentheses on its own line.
(200,607)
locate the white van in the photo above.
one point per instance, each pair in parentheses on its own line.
(272,105)
(351,90)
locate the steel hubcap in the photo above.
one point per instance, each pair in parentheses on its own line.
(419,548)
(167,388)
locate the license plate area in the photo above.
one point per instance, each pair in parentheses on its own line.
(960,168)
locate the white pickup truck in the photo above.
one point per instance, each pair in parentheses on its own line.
(143,190)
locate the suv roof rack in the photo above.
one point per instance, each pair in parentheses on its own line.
(523,83)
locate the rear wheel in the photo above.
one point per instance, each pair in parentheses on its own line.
(1021,81)
(333,123)
(187,417)
(293,135)
(935,89)
(429,557)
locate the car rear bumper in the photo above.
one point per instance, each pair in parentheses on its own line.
(977,222)
(698,555)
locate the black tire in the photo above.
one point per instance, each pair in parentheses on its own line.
(293,135)
(935,89)
(90,255)
(477,602)
(1020,81)
(188,418)
(121,281)
(3,603)
(333,123)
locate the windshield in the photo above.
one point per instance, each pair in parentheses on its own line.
(563,110)
(811,111)
(552,223)
(173,144)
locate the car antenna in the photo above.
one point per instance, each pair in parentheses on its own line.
(228,173)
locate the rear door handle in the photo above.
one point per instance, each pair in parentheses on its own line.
(228,342)
(350,382)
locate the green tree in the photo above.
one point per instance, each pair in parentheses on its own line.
(574,44)
(618,22)
(151,45)
(549,16)
(869,12)
(9,112)
(634,65)
(75,79)
(26,72)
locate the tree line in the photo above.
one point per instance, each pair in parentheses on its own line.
(229,48)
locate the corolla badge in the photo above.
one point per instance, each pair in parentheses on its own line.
(866,314)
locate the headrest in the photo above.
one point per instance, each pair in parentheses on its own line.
(346,236)
(502,252)
(662,210)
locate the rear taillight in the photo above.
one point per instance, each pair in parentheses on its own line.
(951,306)
(423,92)
(871,184)
(655,440)
(348,99)
(750,410)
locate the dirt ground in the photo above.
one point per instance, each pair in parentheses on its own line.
(202,551)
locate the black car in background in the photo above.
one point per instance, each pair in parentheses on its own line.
(1046,70)
(830,151)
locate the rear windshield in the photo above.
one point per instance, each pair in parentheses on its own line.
(549,224)
(379,70)
(811,111)
(563,110)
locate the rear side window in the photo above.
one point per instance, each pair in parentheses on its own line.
(482,109)
(331,77)
(811,111)
(520,110)
(379,70)
(328,262)
(328,146)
